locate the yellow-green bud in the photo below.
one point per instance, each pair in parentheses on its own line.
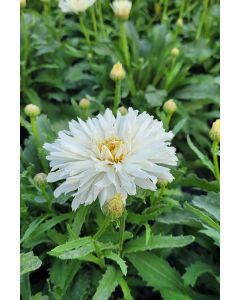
(122,8)
(215,131)
(123,110)
(179,23)
(22,3)
(170,106)
(157,9)
(32,110)
(162,182)
(175,52)
(117,73)
(84,103)
(40,179)
(114,207)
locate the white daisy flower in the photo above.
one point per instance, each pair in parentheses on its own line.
(105,156)
(75,6)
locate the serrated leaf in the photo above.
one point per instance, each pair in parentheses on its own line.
(70,245)
(118,260)
(157,272)
(203,216)
(32,227)
(194,181)
(125,289)
(169,294)
(158,242)
(204,159)
(148,233)
(212,233)
(29,263)
(194,271)
(79,286)
(107,284)
(209,203)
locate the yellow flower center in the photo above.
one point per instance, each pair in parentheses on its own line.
(112,149)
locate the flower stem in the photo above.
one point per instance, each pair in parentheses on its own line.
(84,30)
(121,231)
(117,97)
(93,16)
(102,229)
(165,10)
(100,15)
(124,44)
(202,20)
(215,161)
(38,144)
(48,200)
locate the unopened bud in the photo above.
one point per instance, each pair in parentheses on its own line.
(40,179)
(157,9)
(22,3)
(123,110)
(114,207)
(122,8)
(175,52)
(32,110)
(215,131)
(84,103)
(170,106)
(117,73)
(179,23)
(162,182)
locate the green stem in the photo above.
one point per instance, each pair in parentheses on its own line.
(25,47)
(202,20)
(102,229)
(215,161)
(100,15)
(33,121)
(124,44)
(163,188)
(165,11)
(84,29)
(121,231)
(117,97)
(47,198)
(168,120)
(93,16)
(182,9)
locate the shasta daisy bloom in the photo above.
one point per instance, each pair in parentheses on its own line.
(75,6)
(107,156)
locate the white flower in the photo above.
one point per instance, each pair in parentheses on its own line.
(122,8)
(106,155)
(75,6)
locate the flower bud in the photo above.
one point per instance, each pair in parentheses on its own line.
(162,182)
(175,52)
(40,179)
(117,73)
(114,207)
(32,110)
(179,23)
(170,106)
(123,110)
(157,9)
(122,8)
(22,3)
(215,131)
(84,103)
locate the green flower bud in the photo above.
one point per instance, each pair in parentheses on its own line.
(84,103)
(170,106)
(175,52)
(114,207)
(40,179)
(123,110)
(22,3)
(179,23)
(32,110)
(215,131)
(117,73)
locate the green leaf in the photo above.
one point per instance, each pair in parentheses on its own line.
(209,203)
(195,270)
(169,294)
(125,289)
(148,233)
(203,217)
(204,159)
(179,126)
(33,226)
(118,260)
(79,219)
(157,242)
(79,287)
(39,296)
(29,263)
(107,284)
(194,181)
(212,233)
(33,97)
(157,272)
(155,98)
